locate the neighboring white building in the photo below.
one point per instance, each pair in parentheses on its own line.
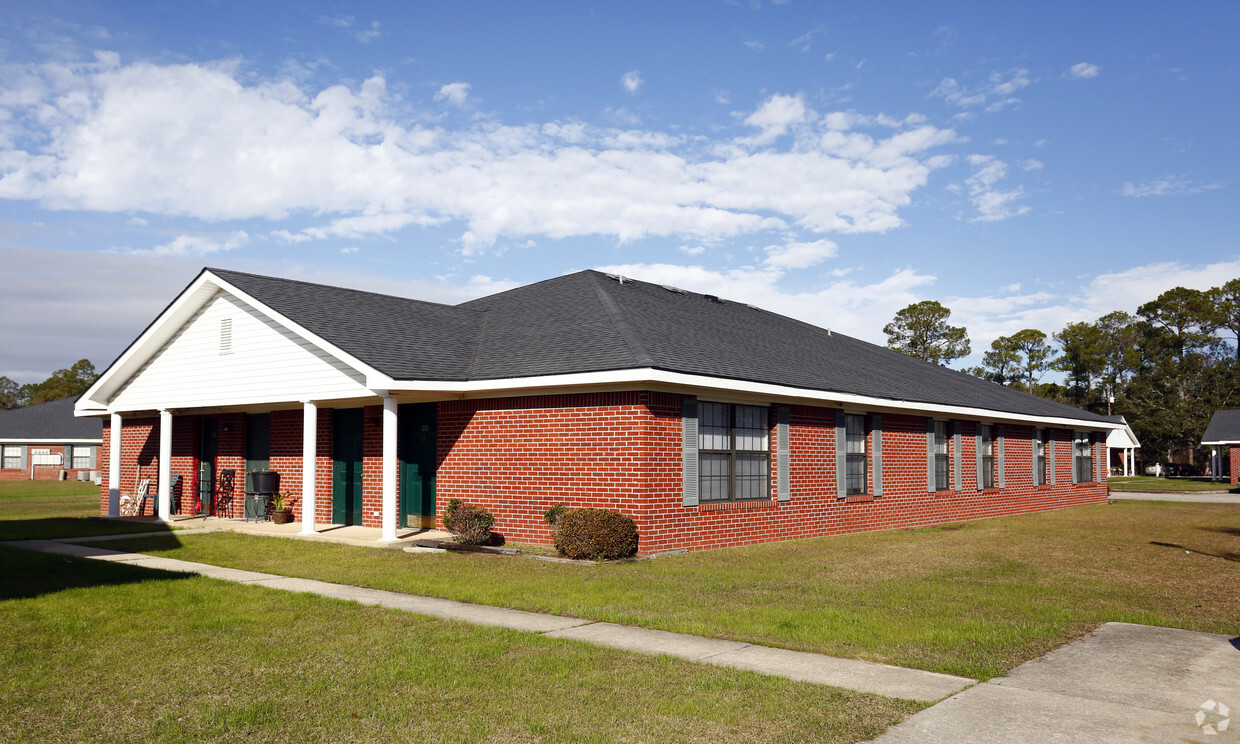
(1126,442)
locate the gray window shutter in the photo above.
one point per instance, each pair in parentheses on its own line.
(94,457)
(66,459)
(689,451)
(1050,454)
(783,468)
(999,442)
(1033,455)
(841,482)
(930,455)
(956,439)
(1074,457)
(977,454)
(876,427)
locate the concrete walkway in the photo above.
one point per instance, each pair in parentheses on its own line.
(367,537)
(862,676)
(1123,683)
(1184,497)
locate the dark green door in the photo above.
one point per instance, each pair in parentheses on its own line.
(415,445)
(347,466)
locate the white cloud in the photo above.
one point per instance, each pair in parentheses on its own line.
(754,46)
(799,255)
(1084,70)
(1031,165)
(195,245)
(1167,186)
(991,203)
(453,93)
(994,94)
(368,35)
(693,250)
(632,81)
(805,40)
(198,141)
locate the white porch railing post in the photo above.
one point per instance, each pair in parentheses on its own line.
(165,466)
(309,459)
(389,469)
(114,466)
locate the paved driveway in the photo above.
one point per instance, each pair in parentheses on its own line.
(1123,683)
(1185,497)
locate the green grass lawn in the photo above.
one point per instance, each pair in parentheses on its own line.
(105,652)
(36,510)
(1173,485)
(975,599)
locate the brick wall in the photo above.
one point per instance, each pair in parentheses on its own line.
(1234,457)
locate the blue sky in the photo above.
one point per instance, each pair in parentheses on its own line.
(1026,165)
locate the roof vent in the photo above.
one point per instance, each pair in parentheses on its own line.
(713,298)
(670,288)
(617,277)
(226,337)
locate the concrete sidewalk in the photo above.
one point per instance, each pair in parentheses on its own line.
(1123,683)
(1184,497)
(850,674)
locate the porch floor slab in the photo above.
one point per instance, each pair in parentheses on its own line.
(336,533)
(863,676)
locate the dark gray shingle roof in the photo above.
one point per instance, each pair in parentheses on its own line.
(53,420)
(588,322)
(1224,427)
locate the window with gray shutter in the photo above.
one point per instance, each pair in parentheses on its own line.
(841,457)
(94,457)
(783,468)
(876,428)
(1001,445)
(956,455)
(977,457)
(1050,455)
(689,452)
(930,455)
(1076,465)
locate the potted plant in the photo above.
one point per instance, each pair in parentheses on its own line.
(281,511)
(265,481)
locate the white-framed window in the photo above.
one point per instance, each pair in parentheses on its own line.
(857,457)
(988,456)
(1083,456)
(11,456)
(734,452)
(81,457)
(1039,457)
(942,458)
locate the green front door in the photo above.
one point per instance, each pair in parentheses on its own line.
(415,445)
(347,466)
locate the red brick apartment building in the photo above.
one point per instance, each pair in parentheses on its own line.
(711,423)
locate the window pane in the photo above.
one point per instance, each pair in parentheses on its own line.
(856,474)
(752,431)
(940,437)
(751,477)
(942,473)
(714,429)
(854,430)
(988,441)
(713,478)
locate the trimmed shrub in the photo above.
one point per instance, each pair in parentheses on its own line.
(552,515)
(595,534)
(471,524)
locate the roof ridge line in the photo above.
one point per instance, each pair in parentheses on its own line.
(640,355)
(218,271)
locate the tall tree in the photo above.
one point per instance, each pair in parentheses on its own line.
(1119,339)
(1187,316)
(1226,300)
(63,383)
(921,330)
(1002,359)
(1083,358)
(1036,352)
(11,394)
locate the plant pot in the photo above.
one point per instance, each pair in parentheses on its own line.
(265,481)
(282,516)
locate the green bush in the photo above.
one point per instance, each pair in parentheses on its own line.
(595,534)
(471,524)
(552,515)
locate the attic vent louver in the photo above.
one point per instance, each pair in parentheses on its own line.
(670,288)
(226,337)
(713,298)
(617,277)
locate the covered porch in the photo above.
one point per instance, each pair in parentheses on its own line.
(335,533)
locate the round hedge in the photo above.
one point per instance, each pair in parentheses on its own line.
(595,534)
(471,524)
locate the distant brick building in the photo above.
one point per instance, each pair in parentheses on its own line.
(710,423)
(39,442)
(1223,433)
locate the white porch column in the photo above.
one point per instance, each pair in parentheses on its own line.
(165,466)
(114,466)
(1129,464)
(389,469)
(1214,463)
(309,458)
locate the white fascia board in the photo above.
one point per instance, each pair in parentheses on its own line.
(25,440)
(1222,443)
(650,375)
(374,378)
